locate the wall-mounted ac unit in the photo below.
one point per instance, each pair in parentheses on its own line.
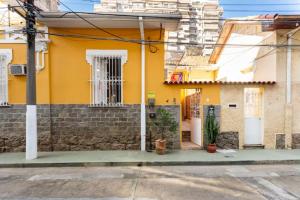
(18,70)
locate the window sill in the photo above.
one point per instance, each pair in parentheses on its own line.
(5,106)
(107,106)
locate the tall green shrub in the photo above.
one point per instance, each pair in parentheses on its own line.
(211,126)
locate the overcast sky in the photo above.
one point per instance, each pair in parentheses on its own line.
(247,10)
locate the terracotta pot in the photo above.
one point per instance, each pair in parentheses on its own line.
(212,148)
(160,146)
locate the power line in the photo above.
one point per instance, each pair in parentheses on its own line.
(259,4)
(92,24)
(80,36)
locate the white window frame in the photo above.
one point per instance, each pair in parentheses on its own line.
(7,53)
(91,54)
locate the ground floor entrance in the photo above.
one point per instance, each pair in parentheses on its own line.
(191,132)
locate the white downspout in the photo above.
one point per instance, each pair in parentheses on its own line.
(289,71)
(143,105)
(289,66)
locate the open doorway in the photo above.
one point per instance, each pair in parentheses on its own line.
(191,132)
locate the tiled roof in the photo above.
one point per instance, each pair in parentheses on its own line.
(220,82)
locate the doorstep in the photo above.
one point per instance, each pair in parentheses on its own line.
(138,158)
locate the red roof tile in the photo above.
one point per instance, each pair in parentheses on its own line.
(220,82)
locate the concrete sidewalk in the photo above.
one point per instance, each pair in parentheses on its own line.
(137,158)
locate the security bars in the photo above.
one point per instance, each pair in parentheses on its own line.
(3,81)
(107,83)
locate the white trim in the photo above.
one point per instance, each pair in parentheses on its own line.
(31,132)
(143,78)
(7,53)
(91,53)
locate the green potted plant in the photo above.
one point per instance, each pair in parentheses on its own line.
(212,129)
(164,122)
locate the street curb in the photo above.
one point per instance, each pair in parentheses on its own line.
(155,163)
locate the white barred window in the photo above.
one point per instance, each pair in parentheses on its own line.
(5,59)
(106,77)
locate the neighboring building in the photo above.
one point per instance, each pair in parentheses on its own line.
(200,24)
(258,85)
(44,5)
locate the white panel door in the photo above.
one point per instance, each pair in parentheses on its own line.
(196,136)
(253,130)
(253,116)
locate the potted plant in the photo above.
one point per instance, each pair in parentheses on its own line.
(212,130)
(164,122)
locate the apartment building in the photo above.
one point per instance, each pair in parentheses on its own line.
(199,23)
(45,5)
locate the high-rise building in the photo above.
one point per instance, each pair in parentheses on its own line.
(45,5)
(200,23)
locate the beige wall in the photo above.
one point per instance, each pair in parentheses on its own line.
(296,84)
(232,118)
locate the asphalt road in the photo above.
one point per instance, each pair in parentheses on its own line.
(152,183)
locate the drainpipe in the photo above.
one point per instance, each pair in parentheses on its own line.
(289,106)
(143,105)
(289,71)
(289,66)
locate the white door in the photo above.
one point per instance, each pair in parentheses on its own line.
(253,116)
(196,125)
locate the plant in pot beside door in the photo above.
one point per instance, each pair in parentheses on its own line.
(212,130)
(164,122)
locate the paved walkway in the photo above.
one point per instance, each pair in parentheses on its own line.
(137,158)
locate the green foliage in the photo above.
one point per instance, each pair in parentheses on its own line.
(211,126)
(165,122)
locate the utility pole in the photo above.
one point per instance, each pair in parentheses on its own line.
(31,108)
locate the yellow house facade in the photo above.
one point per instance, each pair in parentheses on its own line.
(92,85)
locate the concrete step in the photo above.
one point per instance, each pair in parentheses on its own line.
(254,146)
(186,136)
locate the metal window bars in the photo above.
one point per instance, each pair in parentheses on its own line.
(107,83)
(3,81)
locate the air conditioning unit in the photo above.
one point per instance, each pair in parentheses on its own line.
(18,70)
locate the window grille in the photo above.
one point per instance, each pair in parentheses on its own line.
(107,83)
(3,81)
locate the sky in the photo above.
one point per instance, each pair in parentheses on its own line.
(229,10)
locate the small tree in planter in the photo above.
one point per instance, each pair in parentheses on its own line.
(164,122)
(212,129)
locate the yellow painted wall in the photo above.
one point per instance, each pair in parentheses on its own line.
(66,77)
(17,84)
(202,75)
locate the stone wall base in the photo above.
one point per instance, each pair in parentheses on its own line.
(228,140)
(296,141)
(280,141)
(77,128)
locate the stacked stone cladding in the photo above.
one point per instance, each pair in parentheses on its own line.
(77,128)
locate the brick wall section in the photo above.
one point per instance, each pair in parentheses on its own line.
(296,141)
(78,127)
(228,140)
(280,141)
(13,127)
